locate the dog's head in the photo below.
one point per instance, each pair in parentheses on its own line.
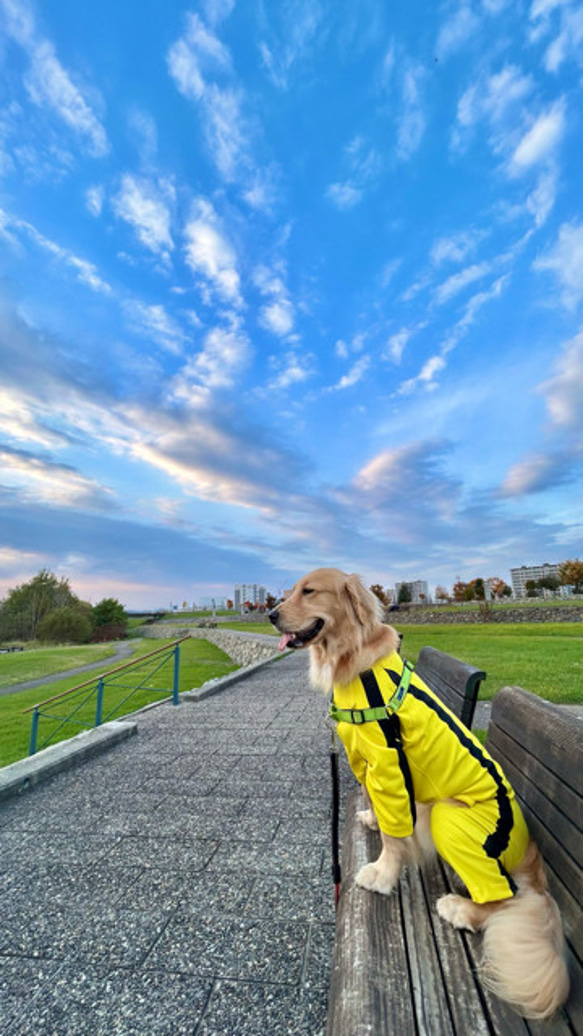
(326,607)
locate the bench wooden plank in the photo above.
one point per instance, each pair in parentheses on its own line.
(370,972)
(457,683)
(553,738)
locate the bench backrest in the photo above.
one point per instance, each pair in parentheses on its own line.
(457,683)
(540,748)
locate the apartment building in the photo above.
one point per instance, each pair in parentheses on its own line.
(521,576)
(249,592)
(419,591)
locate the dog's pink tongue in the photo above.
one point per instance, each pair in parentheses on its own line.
(284,641)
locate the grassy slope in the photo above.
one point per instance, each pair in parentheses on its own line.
(199,661)
(35,662)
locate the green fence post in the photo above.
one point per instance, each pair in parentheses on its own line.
(99,709)
(176,684)
(33,733)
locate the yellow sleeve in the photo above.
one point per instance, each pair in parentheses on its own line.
(390,794)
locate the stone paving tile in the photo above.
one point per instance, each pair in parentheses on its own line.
(267,858)
(231,947)
(218,893)
(162,853)
(20,979)
(41,887)
(286,897)
(245,1009)
(118,1003)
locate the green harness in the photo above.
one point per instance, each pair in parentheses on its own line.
(393,705)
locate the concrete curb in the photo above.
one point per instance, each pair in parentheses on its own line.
(26,773)
(222,682)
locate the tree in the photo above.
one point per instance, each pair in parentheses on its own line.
(571,574)
(441,594)
(405,595)
(27,605)
(548,583)
(499,587)
(380,593)
(109,620)
(458,591)
(229,604)
(530,587)
(270,601)
(65,626)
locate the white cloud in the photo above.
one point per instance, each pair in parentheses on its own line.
(157,324)
(564,391)
(457,31)
(565,260)
(210,254)
(277,315)
(292,371)
(541,200)
(396,345)
(541,140)
(498,100)
(344,195)
(94,199)
(87,272)
(48,83)
(458,281)
(40,479)
(144,205)
(353,376)
(456,248)
(411,124)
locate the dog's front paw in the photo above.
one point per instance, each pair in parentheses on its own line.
(368,819)
(454,909)
(375,879)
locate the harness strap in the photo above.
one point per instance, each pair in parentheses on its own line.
(358,716)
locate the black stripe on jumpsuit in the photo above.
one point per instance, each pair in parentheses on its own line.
(498,840)
(391,729)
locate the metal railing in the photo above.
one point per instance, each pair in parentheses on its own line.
(88,714)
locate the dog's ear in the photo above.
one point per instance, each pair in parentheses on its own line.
(364,604)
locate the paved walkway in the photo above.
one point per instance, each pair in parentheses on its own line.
(179,883)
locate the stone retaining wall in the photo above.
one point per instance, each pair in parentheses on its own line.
(411,616)
(241,647)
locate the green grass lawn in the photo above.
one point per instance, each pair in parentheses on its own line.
(249,627)
(545,658)
(199,661)
(35,662)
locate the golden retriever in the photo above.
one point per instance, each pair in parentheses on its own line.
(339,620)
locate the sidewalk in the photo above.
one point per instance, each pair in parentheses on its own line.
(179,883)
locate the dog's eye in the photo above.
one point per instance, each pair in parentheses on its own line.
(307,590)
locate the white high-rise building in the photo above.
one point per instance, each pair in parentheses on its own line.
(521,576)
(419,591)
(249,592)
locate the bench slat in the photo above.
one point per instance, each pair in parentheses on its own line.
(548,796)
(370,968)
(554,738)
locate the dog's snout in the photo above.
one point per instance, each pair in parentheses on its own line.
(274,616)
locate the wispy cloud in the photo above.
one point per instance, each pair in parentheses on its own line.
(541,140)
(48,83)
(43,480)
(412,121)
(353,376)
(363,165)
(145,205)
(565,261)
(457,30)
(458,281)
(87,273)
(209,253)
(277,314)
(156,323)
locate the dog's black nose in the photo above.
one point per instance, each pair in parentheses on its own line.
(274,616)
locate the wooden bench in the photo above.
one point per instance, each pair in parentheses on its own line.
(457,683)
(398,969)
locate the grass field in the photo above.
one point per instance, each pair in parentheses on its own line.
(545,658)
(199,661)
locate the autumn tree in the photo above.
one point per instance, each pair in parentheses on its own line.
(458,591)
(571,574)
(380,593)
(441,594)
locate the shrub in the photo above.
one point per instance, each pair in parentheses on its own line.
(65,626)
(109,631)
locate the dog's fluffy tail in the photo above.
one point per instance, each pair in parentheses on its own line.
(524,948)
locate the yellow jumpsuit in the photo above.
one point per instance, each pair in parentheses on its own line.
(424,753)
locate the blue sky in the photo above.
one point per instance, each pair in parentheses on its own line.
(285,285)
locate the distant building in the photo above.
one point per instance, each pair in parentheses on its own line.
(419,591)
(249,592)
(521,576)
